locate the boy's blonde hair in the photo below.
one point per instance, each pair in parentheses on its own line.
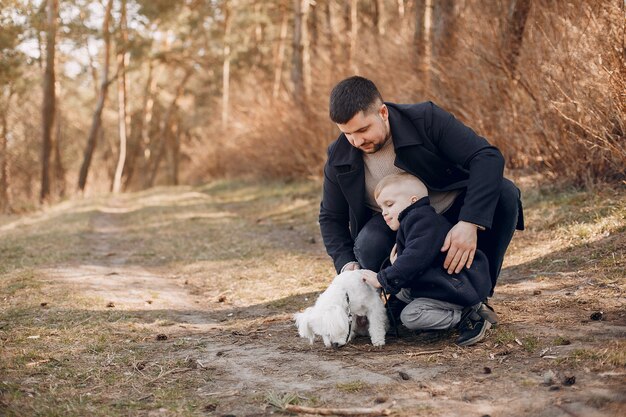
(410,181)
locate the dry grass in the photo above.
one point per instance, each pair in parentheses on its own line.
(243,253)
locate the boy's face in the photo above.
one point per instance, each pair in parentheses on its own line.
(392,200)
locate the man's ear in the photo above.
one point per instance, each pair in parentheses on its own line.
(384,112)
(414,199)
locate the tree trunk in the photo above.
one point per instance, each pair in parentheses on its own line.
(401,9)
(5,195)
(379,16)
(97,116)
(280,56)
(165,127)
(331,40)
(424,50)
(123,116)
(418,34)
(59,170)
(401,16)
(297,71)
(49,99)
(173,138)
(142,141)
(352,36)
(313,29)
(228,11)
(306,48)
(514,33)
(443,28)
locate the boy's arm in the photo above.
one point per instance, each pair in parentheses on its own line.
(422,243)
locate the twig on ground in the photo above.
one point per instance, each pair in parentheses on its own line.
(222,393)
(338,411)
(425,352)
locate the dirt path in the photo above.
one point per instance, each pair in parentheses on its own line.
(249,351)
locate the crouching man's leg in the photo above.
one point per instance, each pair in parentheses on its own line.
(507,217)
(374,243)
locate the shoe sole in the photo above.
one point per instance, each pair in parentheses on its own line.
(480,336)
(489,315)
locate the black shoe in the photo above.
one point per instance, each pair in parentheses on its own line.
(433,336)
(487,312)
(472,327)
(394,307)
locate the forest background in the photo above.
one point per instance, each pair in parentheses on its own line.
(99,96)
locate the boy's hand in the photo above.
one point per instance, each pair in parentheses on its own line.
(461,244)
(394,254)
(369,277)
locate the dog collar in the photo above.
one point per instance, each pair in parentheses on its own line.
(349,319)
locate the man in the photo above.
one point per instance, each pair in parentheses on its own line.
(462,171)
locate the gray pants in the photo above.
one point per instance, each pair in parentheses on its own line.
(428,314)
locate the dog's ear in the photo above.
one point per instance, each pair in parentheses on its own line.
(303,322)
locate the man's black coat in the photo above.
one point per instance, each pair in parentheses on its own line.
(431,144)
(419,265)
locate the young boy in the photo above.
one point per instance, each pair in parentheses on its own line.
(431,298)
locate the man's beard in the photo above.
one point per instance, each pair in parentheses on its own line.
(379,146)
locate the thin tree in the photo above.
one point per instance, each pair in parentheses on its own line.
(97,115)
(301,72)
(123,115)
(514,33)
(165,127)
(5,195)
(280,55)
(421,39)
(352,35)
(228,12)
(49,99)
(379,16)
(58,168)
(142,142)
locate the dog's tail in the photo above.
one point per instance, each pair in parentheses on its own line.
(303,322)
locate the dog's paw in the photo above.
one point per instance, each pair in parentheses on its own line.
(378,343)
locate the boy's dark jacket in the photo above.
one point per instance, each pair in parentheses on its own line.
(419,263)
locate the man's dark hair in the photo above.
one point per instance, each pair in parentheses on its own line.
(351,96)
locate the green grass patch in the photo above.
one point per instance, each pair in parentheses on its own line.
(352,386)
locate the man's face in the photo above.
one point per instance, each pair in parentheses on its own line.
(368,131)
(392,200)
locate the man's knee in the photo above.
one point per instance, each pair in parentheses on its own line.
(509,198)
(373,245)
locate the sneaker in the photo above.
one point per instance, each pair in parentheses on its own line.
(487,312)
(472,328)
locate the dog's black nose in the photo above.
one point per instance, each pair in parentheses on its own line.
(335,345)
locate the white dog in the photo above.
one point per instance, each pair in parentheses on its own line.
(334,315)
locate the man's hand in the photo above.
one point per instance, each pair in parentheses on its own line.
(351,266)
(461,246)
(369,277)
